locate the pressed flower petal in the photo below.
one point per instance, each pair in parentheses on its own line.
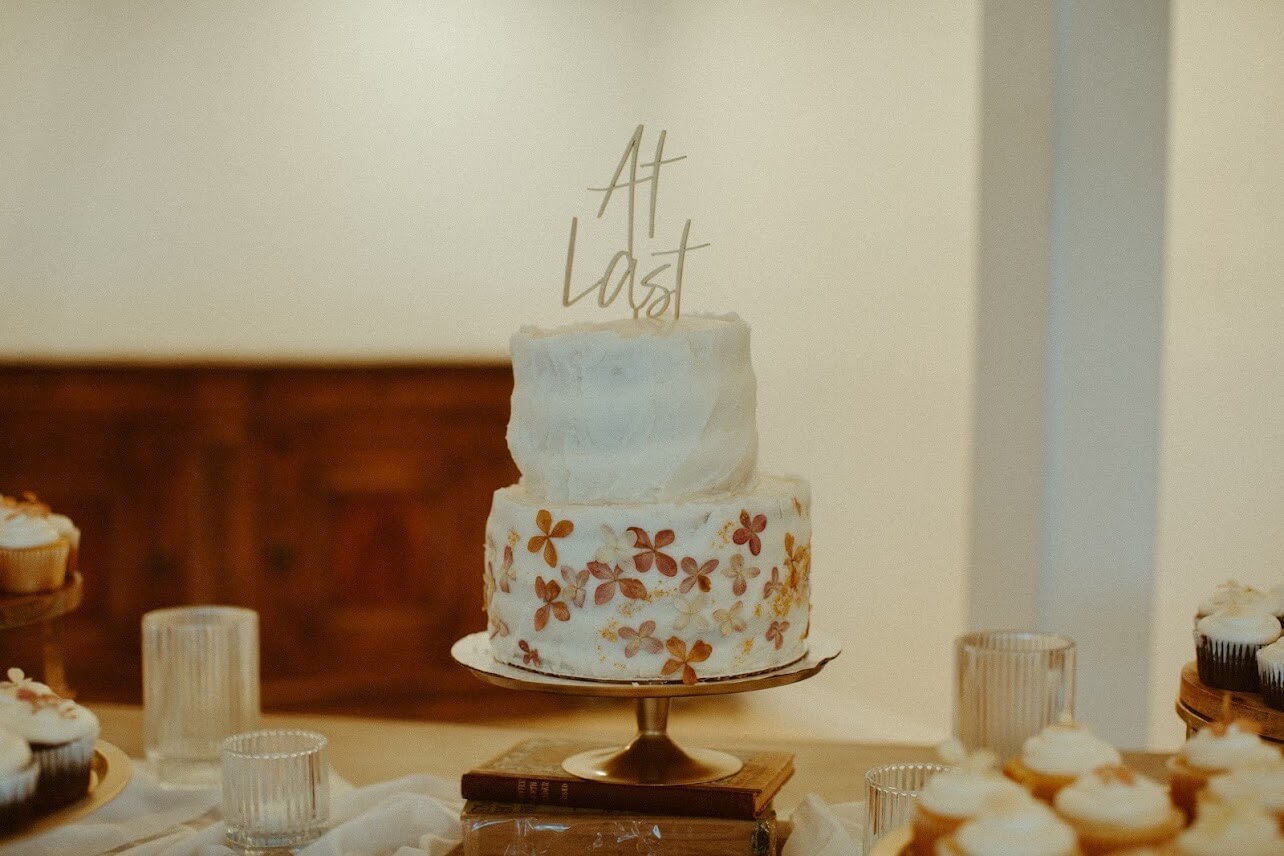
(676,647)
(671,666)
(535,543)
(628,633)
(566,527)
(540,588)
(550,553)
(544,520)
(604,593)
(642,561)
(665,565)
(700,652)
(739,536)
(633,589)
(647,628)
(561,611)
(760,523)
(601,570)
(663,538)
(541,617)
(689,675)
(553,590)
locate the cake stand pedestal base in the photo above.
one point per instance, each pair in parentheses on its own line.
(651,757)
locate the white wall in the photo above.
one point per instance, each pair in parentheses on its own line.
(395,179)
(1222,462)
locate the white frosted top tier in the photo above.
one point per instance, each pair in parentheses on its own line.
(635,410)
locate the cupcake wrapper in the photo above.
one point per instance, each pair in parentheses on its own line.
(1271,681)
(1227,665)
(15,795)
(64,771)
(34,569)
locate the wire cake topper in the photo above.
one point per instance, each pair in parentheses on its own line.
(644,295)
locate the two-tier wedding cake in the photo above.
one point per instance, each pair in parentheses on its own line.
(641,544)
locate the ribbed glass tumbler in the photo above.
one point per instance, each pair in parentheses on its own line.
(890,793)
(1008,685)
(276,788)
(200,685)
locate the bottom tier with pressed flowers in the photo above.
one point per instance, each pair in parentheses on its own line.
(668,592)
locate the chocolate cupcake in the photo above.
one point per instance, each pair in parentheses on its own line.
(1226,644)
(1270,674)
(61,733)
(18,772)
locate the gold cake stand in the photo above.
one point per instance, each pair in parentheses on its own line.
(651,757)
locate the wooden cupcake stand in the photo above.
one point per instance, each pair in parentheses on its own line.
(1199,705)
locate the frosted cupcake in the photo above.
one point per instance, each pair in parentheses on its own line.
(1058,755)
(1113,808)
(61,734)
(955,796)
(1261,782)
(1226,644)
(18,772)
(1011,826)
(62,525)
(33,556)
(1211,752)
(1242,828)
(1270,674)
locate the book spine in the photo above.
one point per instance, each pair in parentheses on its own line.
(586,794)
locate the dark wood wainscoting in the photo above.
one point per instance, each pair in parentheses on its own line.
(345,504)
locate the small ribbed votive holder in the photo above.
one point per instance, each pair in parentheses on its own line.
(890,794)
(276,788)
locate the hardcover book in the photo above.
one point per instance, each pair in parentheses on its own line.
(531,772)
(505,829)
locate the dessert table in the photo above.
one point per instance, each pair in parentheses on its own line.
(369,751)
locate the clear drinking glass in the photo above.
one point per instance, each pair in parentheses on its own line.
(276,788)
(1009,684)
(200,685)
(890,793)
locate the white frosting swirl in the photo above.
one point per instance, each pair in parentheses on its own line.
(63,526)
(15,754)
(1233,593)
(1115,796)
(1016,827)
(19,530)
(1260,781)
(1209,750)
(1242,828)
(1240,625)
(1068,749)
(38,715)
(962,792)
(1272,653)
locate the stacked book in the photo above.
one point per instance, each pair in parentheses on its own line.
(523,802)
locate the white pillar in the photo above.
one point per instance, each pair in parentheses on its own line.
(1073,296)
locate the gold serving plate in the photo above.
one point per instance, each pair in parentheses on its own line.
(109,774)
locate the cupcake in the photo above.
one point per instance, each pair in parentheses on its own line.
(1226,644)
(61,734)
(1058,755)
(1262,782)
(62,525)
(1213,751)
(955,796)
(18,771)
(1011,826)
(1242,828)
(1270,673)
(1113,808)
(33,556)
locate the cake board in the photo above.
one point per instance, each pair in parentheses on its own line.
(1199,705)
(651,757)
